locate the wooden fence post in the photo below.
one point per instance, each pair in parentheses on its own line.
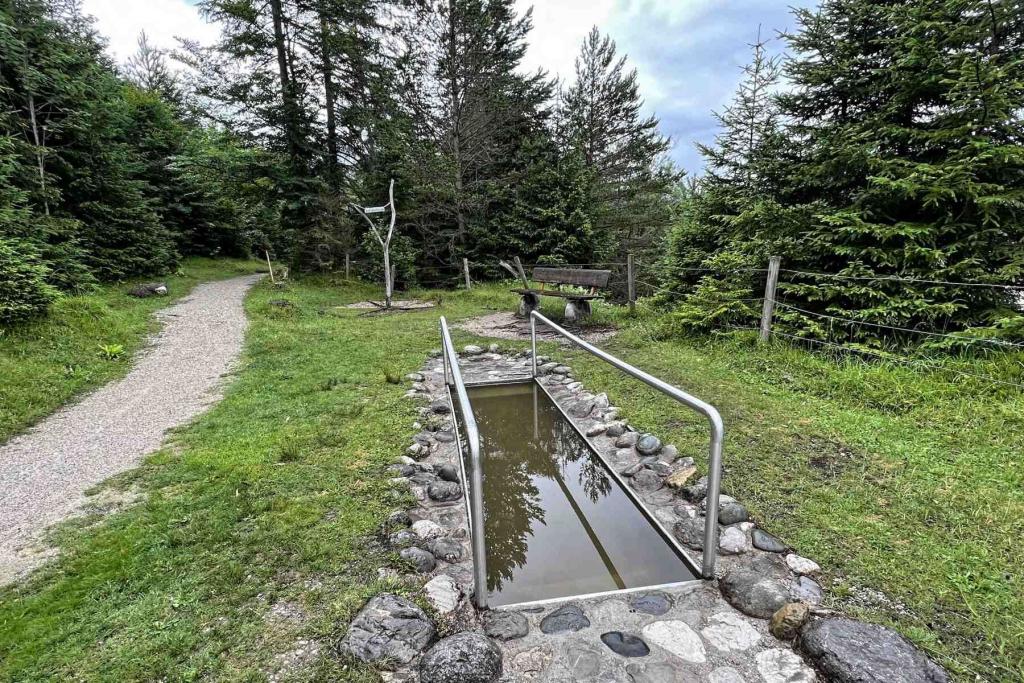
(465,271)
(394,274)
(270,267)
(631,283)
(348,264)
(769,297)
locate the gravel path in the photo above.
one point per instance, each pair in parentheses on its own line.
(44,471)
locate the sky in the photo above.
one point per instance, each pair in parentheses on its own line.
(688,53)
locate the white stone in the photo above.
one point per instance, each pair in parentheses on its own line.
(404,460)
(746,526)
(416,448)
(677,638)
(427,529)
(733,541)
(493,348)
(666,516)
(443,593)
(729,631)
(601,401)
(726,674)
(472,350)
(801,565)
(599,428)
(783,666)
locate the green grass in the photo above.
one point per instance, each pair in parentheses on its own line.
(86,341)
(893,480)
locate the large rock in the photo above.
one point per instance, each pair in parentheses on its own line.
(732,513)
(566,618)
(752,593)
(648,444)
(150,289)
(505,625)
(801,565)
(615,430)
(448,472)
(389,631)
(462,658)
(444,491)
(766,542)
(420,559)
(850,651)
(733,541)
(690,532)
(443,594)
(627,440)
(646,480)
(786,623)
(445,549)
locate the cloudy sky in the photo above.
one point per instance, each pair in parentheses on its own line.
(688,52)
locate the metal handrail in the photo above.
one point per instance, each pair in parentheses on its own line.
(710,557)
(476,496)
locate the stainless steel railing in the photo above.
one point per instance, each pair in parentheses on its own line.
(475,481)
(707,567)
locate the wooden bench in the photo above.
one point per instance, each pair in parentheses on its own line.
(577,304)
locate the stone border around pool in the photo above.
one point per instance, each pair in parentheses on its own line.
(732,630)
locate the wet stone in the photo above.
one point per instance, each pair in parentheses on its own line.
(566,618)
(632,469)
(389,631)
(648,444)
(440,407)
(732,513)
(615,430)
(696,492)
(690,532)
(627,440)
(625,644)
(462,658)
(444,437)
(659,468)
(448,472)
(850,651)
(505,625)
(446,549)
(599,428)
(752,593)
(807,590)
(444,491)
(420,559)
(656,603)
(582,409)
(766,542)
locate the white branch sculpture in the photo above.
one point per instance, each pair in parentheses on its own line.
(385,242)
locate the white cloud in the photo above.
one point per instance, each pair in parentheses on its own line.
(559,27)
(121,21)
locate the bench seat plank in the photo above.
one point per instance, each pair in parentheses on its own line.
(555,292)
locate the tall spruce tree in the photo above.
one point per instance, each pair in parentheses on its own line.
(907,120)
(623,150)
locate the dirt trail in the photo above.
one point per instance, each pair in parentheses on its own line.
(44,472)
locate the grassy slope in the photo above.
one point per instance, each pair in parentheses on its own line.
(45,363)
(273,493)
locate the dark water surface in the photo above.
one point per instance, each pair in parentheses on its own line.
(556,524)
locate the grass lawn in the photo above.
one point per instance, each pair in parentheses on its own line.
(45,363)
(892,481)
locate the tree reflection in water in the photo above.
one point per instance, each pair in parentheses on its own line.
(513,465)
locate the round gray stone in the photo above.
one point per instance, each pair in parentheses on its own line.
(403,539)
(505,625)
(615,430)
(850,651)
(420,559)
(648,444)
(389,631)
(444,437)
(472,350)
(625,644)
(766,542)
(462,658)
(448,472)
(646,480)
(627,440)
(565,618)
(732,513)
(696,492)
(690,532)
(399,518)
(446,549)
(752,593)
(440,407)
(656,603)
(807,590)
(444,491)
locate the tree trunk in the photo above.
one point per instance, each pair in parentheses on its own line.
(39,142)
(330,96)
(456,131)
(287,92)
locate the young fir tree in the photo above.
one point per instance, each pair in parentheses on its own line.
(907,120)
(622,149)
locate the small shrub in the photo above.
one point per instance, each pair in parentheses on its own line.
(24,290)
(111,351)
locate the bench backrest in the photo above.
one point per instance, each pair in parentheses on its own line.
(572,276)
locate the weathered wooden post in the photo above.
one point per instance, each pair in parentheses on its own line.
(768,310)
(631,283)
(270,267)
(348,263)
(394,276)
(465,271)
(522,273)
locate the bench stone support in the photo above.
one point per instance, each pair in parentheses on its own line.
(577,309)
(529,303)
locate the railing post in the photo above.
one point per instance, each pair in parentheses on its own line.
(631,283)
(465,271)
(533,343)
(768,309)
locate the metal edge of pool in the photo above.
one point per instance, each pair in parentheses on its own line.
(666,535)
